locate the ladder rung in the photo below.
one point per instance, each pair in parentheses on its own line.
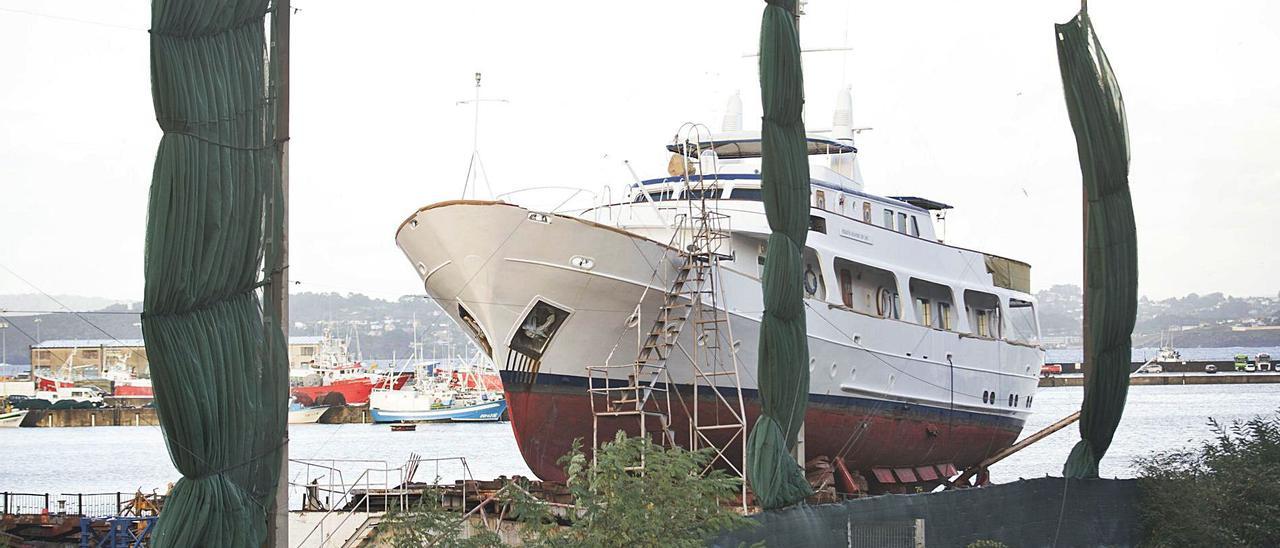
(718,373)
(718,426)
(631,412)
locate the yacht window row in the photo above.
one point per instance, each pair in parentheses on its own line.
(874,291)
(848,206)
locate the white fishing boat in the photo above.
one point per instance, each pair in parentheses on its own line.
(924,354)
(457,394)
(13,418)
(300,414)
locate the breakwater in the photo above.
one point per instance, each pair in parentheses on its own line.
(146,416)
(1159,379)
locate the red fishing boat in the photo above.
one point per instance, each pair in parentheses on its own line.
(333,378)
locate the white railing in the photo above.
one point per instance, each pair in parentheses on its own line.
(343,500)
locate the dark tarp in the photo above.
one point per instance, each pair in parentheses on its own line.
(776,479)
(217,358)
(1044,512)
(1097,116)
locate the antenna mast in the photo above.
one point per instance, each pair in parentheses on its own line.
(475,168)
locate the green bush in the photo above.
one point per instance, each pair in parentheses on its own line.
(673,503)
(1224,493)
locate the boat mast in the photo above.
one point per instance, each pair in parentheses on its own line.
(475,168)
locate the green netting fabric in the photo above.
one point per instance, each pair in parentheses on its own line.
(1111,250)
(775,477)
(218,362)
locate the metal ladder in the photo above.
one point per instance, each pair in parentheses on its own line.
(693,297)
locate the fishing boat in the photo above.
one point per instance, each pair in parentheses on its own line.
(301,414)
(454,395)
(924,354)
(12,418)
(332,377)
(62,392)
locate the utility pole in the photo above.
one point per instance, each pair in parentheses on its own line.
(278,290)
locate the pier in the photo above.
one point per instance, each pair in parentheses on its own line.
(1156,379)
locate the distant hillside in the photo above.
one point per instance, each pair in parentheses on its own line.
(377,328)
(26,304)
(1194,320)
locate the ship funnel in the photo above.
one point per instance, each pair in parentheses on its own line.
(732,114)
(842,130)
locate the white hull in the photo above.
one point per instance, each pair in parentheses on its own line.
(494,261)
(307,415)
(12,419)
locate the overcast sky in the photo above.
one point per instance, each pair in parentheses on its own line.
(965,100)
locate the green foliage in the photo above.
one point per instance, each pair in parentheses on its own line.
(672,504)
(1224,493)
(429,524)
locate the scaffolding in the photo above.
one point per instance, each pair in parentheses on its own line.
(694,298)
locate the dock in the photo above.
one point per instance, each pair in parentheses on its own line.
(1157,379)
(147,416)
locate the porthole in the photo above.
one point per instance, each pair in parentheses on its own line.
(422,269)
(413,223)
(1010,400)
(834,368)
(892,379)
(737,345)
(985,396)
(853,373)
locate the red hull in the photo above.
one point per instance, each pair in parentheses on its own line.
(549,415)
(350,391)
(128,391)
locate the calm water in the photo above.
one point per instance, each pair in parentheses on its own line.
(108,459)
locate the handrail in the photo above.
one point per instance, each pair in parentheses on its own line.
(353,503)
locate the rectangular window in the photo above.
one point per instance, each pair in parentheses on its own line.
(888,219)
(925,311)
(984,328)
(944,315)
(1022,322)
(866,212)
(820,199)
(902,222)
(308,351)
(915,227)
(817,224)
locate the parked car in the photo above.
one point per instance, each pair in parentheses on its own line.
(1264,362)
(1152,367)
(1050,369)
(1210,368)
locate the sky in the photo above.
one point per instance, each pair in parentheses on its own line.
(964,98)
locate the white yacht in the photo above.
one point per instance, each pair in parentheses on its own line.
(924,354)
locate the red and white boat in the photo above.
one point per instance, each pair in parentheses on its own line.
(333,378)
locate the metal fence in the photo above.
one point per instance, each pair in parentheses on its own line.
(75,504)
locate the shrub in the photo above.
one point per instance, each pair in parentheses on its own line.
(673,503)
(1224,493)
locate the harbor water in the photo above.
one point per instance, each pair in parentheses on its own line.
(127,458)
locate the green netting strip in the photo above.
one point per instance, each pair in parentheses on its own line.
(218,362)
(776,479)
(1096,108)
